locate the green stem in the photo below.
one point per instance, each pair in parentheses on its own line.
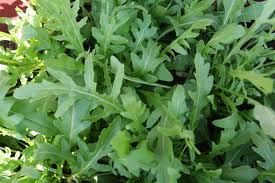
(85,11)
(8,62)
(136,80)
(5,36)
(252,101)
(267,173)
(132,6)
(228,102)
(271,72)
(165,32)
(250,31)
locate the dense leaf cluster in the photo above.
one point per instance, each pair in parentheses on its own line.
(135,91)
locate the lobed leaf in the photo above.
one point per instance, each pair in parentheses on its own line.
(204,86)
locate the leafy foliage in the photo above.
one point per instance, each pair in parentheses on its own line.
(139,91)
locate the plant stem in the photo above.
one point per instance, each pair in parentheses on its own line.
(85,11)
(252,101)
(250,31)
(136,80)
(8,63)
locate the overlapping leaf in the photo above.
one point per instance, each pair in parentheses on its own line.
(66,86)
(204,86)
(62,18)
(262,82)
(138,91)
(232,9)
(6,120)
(136,160)
(142,30)
(89,160)
(226,35)
(72,121)
(149,60)
(105,34)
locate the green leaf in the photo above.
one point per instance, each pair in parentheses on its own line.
(28,32)
(30,171)
(153,118)
(131,106)
(163,73)
(106,36)
(62,18)
(259,80)
(4,78)
(178,44)
(226,35)
(168,167)
(267,175)
(226,137)
(232,9)
(204,175)
(47,151)
(228,122)
(37,91)
(71,123)
(178,104)
(89,73)
(63,78)
(243,174)
(64,105)
(266,117)
(44,42)
(138,159)
(150,58)
(265,148)
(158,91)
(64,63)
(268,10)
(119,74)
(235,133)
(9,161)
(6,120)
(142,30)
(169,125)
(252,12)
(103,147)
(188,21)
(121,143)
(204,86)
(34,119)
(40,90)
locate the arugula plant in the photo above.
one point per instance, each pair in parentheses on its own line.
(138,91)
